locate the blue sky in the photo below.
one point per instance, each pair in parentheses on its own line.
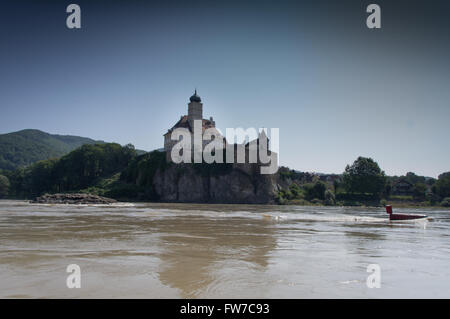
(335,89)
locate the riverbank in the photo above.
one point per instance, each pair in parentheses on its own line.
(381,203)
(86,198)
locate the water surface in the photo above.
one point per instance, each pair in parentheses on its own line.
(146,250)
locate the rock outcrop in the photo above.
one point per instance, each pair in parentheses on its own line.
(72,199)
(241,184)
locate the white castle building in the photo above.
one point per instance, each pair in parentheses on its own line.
(240,154)
(195,112)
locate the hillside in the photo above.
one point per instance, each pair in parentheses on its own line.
(22,148)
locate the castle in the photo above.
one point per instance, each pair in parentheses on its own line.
(240,154)
(195,112)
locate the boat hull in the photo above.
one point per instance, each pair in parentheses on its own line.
(405,216)
(393,216)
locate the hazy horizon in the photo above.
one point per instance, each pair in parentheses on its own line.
(334,88)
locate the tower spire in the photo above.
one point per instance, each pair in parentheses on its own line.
(195,97)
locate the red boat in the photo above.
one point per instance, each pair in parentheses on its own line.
(393,216)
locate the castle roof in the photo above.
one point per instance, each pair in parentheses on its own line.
(184,123)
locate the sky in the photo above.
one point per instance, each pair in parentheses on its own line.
(335,89)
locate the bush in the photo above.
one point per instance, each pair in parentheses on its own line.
(446,202)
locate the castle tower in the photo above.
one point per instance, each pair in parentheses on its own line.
(195,109)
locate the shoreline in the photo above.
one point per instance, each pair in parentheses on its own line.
(124,201)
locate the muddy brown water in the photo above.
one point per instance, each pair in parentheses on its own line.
(146,250)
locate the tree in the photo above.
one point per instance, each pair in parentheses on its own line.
(364,176)
(39,177)
(442,185)
(315,191)
(387,189)
(335,186)
(431,197)
(419,191)
(4,186)
(414,179)
(430,181)
(77,170)
(296,191)
(444,175)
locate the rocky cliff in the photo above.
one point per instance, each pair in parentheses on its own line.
(240,183)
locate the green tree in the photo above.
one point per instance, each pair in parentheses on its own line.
(296,191)
(387,189)
(442,185)
(432,198)
(444,175)
(364,176)
(335,186)
(414,179)
(315,190)
(77,170)
(39,177)
(430,181)
(4,186)
(419,191)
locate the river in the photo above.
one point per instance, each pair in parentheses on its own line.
(148,250)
